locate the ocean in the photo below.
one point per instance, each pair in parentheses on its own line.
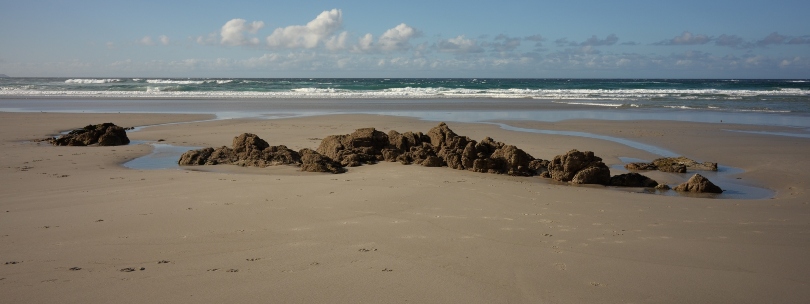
(743,95)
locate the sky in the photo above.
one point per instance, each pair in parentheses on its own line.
(416,38)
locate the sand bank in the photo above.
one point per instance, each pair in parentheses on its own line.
(388,232)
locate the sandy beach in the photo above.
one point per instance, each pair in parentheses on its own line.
(78,227)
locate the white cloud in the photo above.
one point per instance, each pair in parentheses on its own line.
(365,43)
(337,42)
(211,39)
(233,32)
(146,40)
(164,39)
(307,36)
(459,45)
(394,39)
(397,38)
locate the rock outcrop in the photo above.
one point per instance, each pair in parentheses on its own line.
(248,150)
(698,184)
(579,168)
(686,162)
(106,134)
(312,161)
(632,180)
(351,150)
(440,146)
(672,164)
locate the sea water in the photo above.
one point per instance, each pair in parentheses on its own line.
(744,95)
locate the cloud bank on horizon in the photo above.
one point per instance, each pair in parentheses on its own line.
(323,47)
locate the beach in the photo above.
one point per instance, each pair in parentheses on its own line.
(77,226)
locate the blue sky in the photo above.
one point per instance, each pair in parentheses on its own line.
(523,39)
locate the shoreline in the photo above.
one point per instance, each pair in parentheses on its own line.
(401,232)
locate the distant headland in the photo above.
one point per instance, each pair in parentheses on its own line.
(3,76)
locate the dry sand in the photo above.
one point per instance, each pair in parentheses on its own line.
(72,218)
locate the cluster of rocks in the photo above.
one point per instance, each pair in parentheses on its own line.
(672,164)
(697,183)
(248,150)
(439,147)
(106,134)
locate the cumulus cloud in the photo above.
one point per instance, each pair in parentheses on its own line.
(233,32)
(365,43)
(394,39)
(459,45)
(337,42)
(146,40)
(164,40)
(307,36)
(686,38)
(397,38)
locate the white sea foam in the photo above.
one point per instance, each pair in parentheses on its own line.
(91,81)
(613,105)
(172,81)
(170,90)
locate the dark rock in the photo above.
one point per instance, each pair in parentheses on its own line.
(512,161)
(106,134)
(432,161)
(312,161)
(248,151)
(640,166)
(539,166)
(362,146)
(441,135)
(579,168)
(632,180)
(417,154)
(699,184)
(682,163)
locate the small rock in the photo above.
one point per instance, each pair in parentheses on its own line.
(698,184)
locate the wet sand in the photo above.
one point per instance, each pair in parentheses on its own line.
(78,227)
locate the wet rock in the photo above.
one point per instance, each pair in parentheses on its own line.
(632,180)
(698,184)
(579,168)
(106,134)
(681,164)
